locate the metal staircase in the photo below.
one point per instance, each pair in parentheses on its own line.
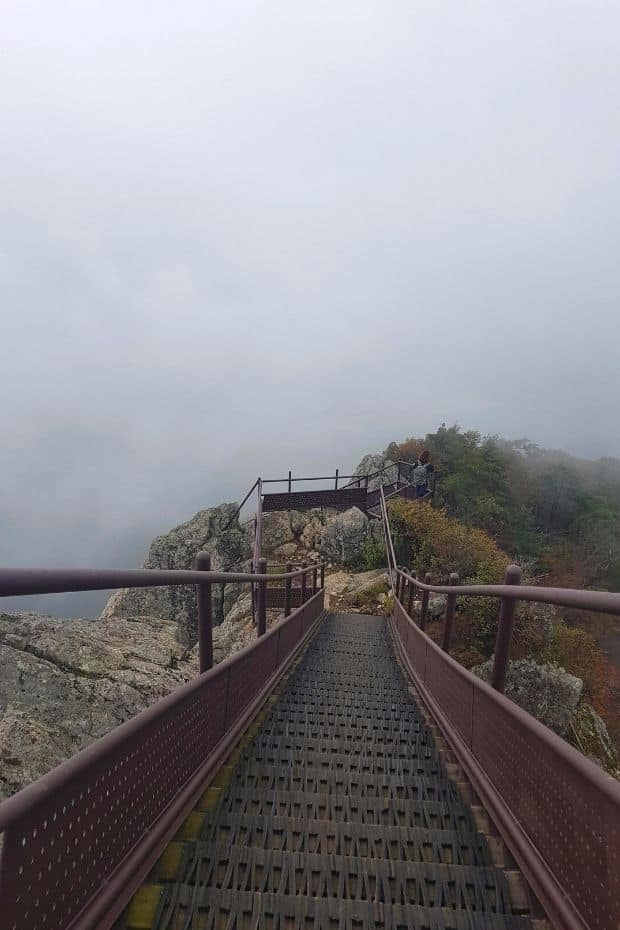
(339,812)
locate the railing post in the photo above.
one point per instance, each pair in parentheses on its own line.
(322,576)
(336,485)
(504,631)
(290,482)
(262,598)
(253,593)
(450,609)
(205,614)
(398,476)
(424,605)
(411,594)
(288,582)
(303,583)
(315,575)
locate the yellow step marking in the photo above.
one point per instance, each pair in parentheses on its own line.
(169,865)
(143,908)
(192,827)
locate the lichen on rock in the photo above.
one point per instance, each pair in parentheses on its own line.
(67,682)
(589,734)
(547,692)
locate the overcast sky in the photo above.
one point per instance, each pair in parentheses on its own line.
(242,237)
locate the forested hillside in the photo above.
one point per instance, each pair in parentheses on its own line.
(559,514)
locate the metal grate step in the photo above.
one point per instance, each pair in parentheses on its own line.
(187,907)
(323,838)
(265,777)
(270,757)
(350,878)
(431,815)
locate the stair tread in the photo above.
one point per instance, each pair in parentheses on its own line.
(377,811)
(209,907)
(323,836)
(266,871)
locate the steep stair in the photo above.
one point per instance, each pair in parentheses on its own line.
(340,810)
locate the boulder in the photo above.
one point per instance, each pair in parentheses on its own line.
(208,530)
(344,536)
(546,692)
(340,582)
(375,462)
(364,592)
(292,535)
(436,606)
(590,735)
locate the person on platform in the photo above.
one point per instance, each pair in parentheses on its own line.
(423,474)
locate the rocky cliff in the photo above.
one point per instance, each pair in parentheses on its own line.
(215,530)
(67,682)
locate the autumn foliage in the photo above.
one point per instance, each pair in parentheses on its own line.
(428,540)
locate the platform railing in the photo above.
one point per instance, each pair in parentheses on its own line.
(78,842)
(557,811)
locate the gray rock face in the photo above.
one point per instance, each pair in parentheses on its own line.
(291,534)
(67,682)
(374,462)
(436,606)
(590,735)
(344,535)
(229,548)
(546,691)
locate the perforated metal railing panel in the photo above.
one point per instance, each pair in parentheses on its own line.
(339,813)
(76,827)
(567,816)
(340,499)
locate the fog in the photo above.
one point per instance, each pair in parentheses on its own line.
(238,238)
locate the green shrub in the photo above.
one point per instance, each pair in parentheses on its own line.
(373,555)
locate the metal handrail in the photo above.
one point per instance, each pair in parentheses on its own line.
(606,602)
(24,581)
(291,480)
(388,535)
(379,471)
(240,507)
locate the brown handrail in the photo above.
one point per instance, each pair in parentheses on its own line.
(23,581)
(392,566)
(240,507)
(290,480)
(318,478)
(607,602)
(380,471)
